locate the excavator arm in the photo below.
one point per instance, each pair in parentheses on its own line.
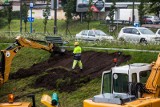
(9,53)
(28,43)
(153,82)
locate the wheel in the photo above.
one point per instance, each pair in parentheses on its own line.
(97,40)
(143,41)
(122,39)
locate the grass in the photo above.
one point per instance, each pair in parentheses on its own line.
(26,57)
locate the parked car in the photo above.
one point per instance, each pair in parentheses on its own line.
(137,34)
(93,35)
(158,32)
(151,20)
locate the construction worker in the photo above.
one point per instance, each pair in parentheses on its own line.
(77,56)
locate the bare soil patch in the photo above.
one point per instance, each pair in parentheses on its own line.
(56,73)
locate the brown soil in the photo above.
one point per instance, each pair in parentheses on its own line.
(56,73)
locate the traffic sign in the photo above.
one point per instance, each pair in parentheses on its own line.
(30,19)
(99,4)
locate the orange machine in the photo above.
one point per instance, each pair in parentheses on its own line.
(7,57)
(9,53)
(133,85)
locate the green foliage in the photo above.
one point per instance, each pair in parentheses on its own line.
(68,9)
(15,14)
(25,9)
(46,14)
(89,14)
(9,14)
(154,8)
(112,10)
(141,12)
(72,6)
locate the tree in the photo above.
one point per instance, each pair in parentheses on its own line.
(68,9)
(74,2)
(25,9)
(154,7)
(89,13)
(112,10)
(46,13)
(141,12)
(8,11)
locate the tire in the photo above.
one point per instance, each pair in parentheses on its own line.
(122,39)
(143,41)
(97,40)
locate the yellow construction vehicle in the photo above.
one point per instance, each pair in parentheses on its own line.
(133,85)
(9,53)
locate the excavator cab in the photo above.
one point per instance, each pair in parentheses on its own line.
(119,85)
(118,79)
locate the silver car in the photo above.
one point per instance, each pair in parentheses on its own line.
(93,35)
(137,34)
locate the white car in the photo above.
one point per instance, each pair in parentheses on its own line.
(93,35)
(151,19)
(158,32)
(137,34)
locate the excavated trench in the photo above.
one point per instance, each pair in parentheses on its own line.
(56,73)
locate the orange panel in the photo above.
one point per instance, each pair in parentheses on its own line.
(16,104)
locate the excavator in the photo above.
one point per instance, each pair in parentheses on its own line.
(131,85)
(9,53)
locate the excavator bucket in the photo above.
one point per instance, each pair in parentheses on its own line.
(58,44)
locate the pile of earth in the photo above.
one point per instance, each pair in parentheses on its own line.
(56,73)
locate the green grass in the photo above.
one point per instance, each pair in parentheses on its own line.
(74,27)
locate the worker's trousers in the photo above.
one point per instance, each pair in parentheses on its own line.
(79,64)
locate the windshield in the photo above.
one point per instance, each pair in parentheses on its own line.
(120,82)
(106,86)
(99,33)
(146,31)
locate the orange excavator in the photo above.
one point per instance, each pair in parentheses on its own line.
(9,53)
(133,85)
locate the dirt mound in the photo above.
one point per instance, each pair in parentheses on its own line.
(56,73)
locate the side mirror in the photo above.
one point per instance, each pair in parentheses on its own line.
(138,33)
